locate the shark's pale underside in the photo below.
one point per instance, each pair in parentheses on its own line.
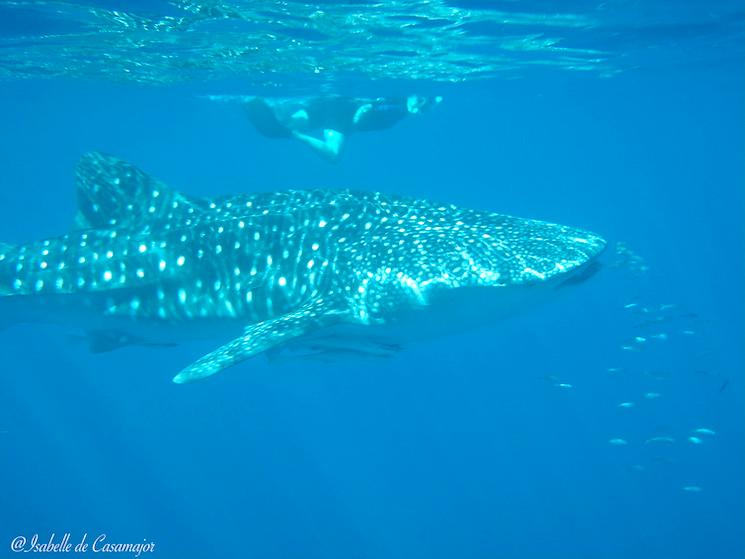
(326,271)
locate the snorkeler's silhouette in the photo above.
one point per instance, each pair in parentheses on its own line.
(323,123)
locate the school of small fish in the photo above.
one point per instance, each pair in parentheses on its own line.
(656,324)
(655,327)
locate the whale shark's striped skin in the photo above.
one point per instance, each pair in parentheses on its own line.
(280,267)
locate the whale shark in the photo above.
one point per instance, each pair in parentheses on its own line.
(312,272)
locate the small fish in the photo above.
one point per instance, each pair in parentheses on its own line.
(630,305)
(626,405)
(615,369)
(640,339)
(618,442)
(669,440)
(668,306)
(704,431)
(688,332)
(661,337)
(692,488)
(695,440)
(652,395)
(628,348)
(563,385)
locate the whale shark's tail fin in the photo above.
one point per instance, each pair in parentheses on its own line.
(114,193)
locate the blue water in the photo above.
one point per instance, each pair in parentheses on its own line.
(459,447)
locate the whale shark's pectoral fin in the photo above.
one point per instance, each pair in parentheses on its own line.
(260,337)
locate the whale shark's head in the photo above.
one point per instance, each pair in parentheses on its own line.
(450,256)
(492,250)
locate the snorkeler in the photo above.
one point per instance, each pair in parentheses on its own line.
(323,123)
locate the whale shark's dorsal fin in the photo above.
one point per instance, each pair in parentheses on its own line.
(114,193)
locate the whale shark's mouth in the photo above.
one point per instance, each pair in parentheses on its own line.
(587,271)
